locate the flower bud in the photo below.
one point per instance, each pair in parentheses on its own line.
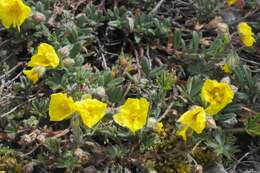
(68,62)
(211,123)
(223,27)
(64,51)
(151,122)
(39,17)
(100,91)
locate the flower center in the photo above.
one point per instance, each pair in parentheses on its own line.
(217,95)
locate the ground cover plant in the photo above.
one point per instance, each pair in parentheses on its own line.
(130,86)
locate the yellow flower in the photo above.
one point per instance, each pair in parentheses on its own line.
(231,2)
(216,95)
(61,107)
(195,119)
(35,73)
(45,57)
(246,34)
(226,68)
(13,13)
(159,128)
(91,111)
(133,114)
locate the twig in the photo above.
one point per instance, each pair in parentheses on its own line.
(16,107)
(11,70)
(235,130)
(30,152)
(11,111)
(157,6)
(166,112)
(244,156)
(63,133)
(127,89)
(102,55)
(246,16)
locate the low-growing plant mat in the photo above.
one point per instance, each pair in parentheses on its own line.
(130,86)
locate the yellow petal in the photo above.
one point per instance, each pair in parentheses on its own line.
(182,132)
(133,114)
(159,128)
(13,13)
(61,107)
(34,74)
(195,118)
(45,57)
(91,111)
(231,2)
(226,68)
(246,34)
(248,41)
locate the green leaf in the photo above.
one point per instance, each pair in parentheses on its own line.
(68,161)
(177,39)
(146,65)
(115,82)
(194,46)
(75,50)
(253,125)
(53,145)
(154,72)
(194,85)
(115,94)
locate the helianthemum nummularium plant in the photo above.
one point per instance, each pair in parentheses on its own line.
(13,13)
(216,96)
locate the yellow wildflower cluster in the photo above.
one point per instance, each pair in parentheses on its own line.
(62,107)
(132,114)
(246,34)
(216,96)
(46,57)
(13,13)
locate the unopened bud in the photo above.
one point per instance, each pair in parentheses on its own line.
(68,62)
(39,17)
(211,123)
(64,51)
(222,27)
(100,91)
(123,61)
(151,122)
